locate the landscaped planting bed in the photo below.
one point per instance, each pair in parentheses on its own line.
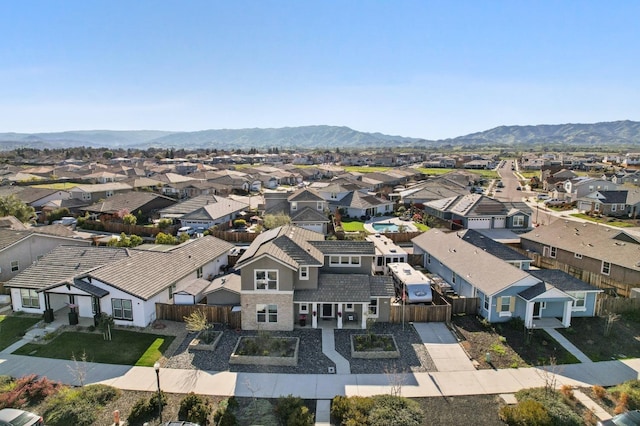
(266,350)
(206,340)
(374,346)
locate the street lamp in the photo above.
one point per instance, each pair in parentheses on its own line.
(156,367)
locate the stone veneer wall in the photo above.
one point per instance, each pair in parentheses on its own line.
(285,310)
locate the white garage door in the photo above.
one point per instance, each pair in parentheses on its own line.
(499,222)
(317,227)
(479,223)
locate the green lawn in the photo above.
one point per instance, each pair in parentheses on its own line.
(487,174)
(63,185)
(13,327)
(421,226)
(616,223)
(529,174)
(366,169)
(352,225)
(433,172)
(127,347)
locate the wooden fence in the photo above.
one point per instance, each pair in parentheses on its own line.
(236,237)
(219,314)
(617,305)
(118,228)
(420,313)
(401,237)
(594,278)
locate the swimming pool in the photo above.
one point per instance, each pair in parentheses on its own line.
(385,227)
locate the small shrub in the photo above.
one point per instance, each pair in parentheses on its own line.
(224,415)
(527,412)
(567,392)
(145,408)
(291,411)
(78,406)
(623,403)
(395,410)
(28,390)
(599,391)
(194,408)
(560,413)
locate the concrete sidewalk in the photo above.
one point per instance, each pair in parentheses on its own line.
(323,386)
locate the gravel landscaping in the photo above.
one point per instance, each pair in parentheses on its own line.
(413,355)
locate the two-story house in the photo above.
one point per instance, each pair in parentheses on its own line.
(93,193)
(582,186)
(290,273)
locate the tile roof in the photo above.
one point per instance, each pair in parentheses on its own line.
(102,187)
(146,273)
(381,286)
(309,215)
(359,200)
(130,201)
(476,266)
(289,244)
(595,241)
(214,211)
(230,282)
(65,263)
(305,194)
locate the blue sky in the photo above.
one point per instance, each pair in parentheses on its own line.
(429,69)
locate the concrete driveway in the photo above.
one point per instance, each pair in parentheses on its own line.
(443,347)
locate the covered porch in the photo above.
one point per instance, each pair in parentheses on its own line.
(331,315)
(73,302)
(544,305)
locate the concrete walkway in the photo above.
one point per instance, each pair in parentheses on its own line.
(329,349)
(443,347)
(323,412)
(599,412)
(567,345)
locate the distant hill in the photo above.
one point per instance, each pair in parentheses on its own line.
(617,133)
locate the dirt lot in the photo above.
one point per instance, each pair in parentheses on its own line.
(623,341)
(508,344)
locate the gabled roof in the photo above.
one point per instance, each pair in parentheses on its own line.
(337,288)
(360,200)
(492,247)
(215,211)
(562,280)
(290,245)
(129,201)
(309,215)
(479,268)
(145,273)
(591,240)
(544,290)
(192,205)
(101,187)
(305,194)
(65,263)
(611,197)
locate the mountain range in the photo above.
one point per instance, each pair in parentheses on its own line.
(610,134)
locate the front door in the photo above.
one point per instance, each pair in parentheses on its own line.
(327,310)
(536,310)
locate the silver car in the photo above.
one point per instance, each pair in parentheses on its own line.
(14,417)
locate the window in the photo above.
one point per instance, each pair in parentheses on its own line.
(15,265)
(266,279)
(109,194)
(373,308)
(294,205)
(267,313)
(486,302)
(518,221)
(334,195)
(320,206)
(553,252)
(348,307)
(577,255)
(606,267)
(304,308)
(380,260)
(428,258)
(613,207)
(199,272)
(86,196)
(304,272)
(506,305)
(29,298)
(344,260)
(172,288)
(580,303)
(122,309)
(453,277)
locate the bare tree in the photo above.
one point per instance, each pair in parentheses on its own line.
(79,368)
(609,319)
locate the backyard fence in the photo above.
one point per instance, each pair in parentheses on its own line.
(617,305)
(420,313)
(218,314)
(235,237)
(118,228)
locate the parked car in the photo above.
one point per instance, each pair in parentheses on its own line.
(553,202)
(15,417)
(67,220)
(630,418)
(186,230)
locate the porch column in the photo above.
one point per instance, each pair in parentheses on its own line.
(340,314)
(365,313)
(528,316)
(566,317)
(314,315)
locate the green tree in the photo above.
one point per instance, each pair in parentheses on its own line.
(275,220)
(107,155)
(163,238)
(129,219)
(13,206)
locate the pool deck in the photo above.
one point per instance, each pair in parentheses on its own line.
(368,225)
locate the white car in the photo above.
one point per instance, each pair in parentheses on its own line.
(186,230)
(14,417)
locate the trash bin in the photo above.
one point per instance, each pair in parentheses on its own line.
(73,318)
(48,315)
